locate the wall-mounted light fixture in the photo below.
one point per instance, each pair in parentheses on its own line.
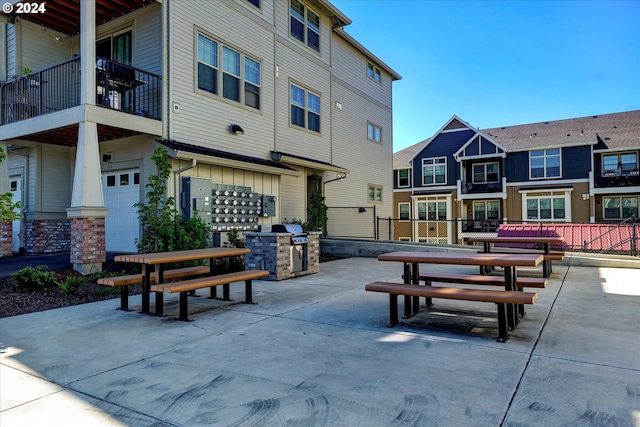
(361,210)
(585,196)
(237,130)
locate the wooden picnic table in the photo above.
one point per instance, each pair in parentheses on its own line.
(545,242)
(510,262)
(159,259)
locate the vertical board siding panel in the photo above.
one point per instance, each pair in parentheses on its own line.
(55,178)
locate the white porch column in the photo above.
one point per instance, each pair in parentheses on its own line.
(87,211)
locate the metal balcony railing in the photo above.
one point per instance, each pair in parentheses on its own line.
(118,86)
(468,187)
(617,179)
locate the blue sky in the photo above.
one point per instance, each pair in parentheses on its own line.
(501,63)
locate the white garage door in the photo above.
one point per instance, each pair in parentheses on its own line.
(121,191)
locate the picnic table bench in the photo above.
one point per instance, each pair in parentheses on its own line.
(500,298)
(543,241)
(211,282)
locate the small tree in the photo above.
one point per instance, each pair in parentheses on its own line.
(164,229)
(317,209)
(7,206)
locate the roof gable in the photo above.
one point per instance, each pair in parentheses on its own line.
(480,145)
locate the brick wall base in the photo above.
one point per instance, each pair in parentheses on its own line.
(88,248)
(5,238)
(272,252)
(46,236)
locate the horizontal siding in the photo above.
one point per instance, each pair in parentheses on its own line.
(11,50)
(350,65)
(204,119)
(39,49)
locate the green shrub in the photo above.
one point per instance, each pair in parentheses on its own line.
(71,284)
(235,240)
(164,229)
(37,277)
(106,290)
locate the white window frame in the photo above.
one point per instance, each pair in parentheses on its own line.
(374,132)
(408,205)
(373,72)
(305,20)
(307,108)
(530,195)
(620,206)
(431,163)
(486,210)
(618,163)
(484,173)
(546,156)
(245,82)
(377,193)
(408,184)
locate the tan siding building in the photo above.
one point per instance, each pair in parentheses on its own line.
(253,108)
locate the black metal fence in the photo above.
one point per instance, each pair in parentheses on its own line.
(620,237)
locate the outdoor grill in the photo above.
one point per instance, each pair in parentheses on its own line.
(298,245)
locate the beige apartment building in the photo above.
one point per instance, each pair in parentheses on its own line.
(249,95)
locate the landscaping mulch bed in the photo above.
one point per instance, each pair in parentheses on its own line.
(15,300)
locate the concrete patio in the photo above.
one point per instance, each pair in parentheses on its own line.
(315,351)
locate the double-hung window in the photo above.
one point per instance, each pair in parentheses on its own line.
(374,132)
(432,211)
(374,193)
(486,172)
(256,3)
(373,72)
(403,177)
(434,171)
(305,108)
(305,25)
(544,163)
(238,75)
(403,211)
(546,208)
(486,210)
(620,207)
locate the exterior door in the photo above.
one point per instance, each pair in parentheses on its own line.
(15,186)
(121,191)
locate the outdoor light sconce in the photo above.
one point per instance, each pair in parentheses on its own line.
(361,210)
(237,130)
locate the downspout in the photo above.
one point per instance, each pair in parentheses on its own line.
(166,52)
(175,186)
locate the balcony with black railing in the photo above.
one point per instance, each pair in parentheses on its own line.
(118,87)
(617,179)
(468,187)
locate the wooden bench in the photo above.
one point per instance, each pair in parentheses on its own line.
(500,298)
(475,279)
(211,282)
(134,279)
(553,255)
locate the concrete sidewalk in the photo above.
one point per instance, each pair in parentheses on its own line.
(315,351)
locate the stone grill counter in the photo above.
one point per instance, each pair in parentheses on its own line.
(272,252)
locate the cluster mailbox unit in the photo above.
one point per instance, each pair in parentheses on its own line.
(225,207)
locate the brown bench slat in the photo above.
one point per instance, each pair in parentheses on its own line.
(485,295)
(135,279)
(475,279)
(185,286)
(500,298)
(553,255)
(205,282)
